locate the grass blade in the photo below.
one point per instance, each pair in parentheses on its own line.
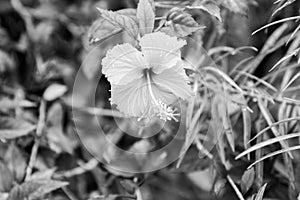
(291,81)
(224,76)
(235,188)
(266,143)
(274,154)
(285,58)
(274,124)
(276,22)
(261,192)
(269,119)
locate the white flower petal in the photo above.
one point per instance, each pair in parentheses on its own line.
(132,99)
(122,64)
(161,50)
(173,81)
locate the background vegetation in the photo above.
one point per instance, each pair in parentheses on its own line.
(249,101)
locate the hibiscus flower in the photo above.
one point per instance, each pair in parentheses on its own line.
(146,82)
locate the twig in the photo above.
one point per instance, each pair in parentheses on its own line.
(270,46)
(259,168)
(235,188)
(18,6)
(39,130)
(69,194)
(96,111)
(90,165)
(138,194)
(160,26)
(202,149)
(275,99)
(100,111)
(212,38)
(115,196)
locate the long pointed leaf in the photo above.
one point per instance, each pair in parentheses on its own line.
(267,142)
(274,154)
(274,124)
(276,22)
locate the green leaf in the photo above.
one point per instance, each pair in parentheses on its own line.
(146,16)
(275,124)
(275,153)
(15,162)
(268,142)
(9,103)
(210,7)
(91,66)
(102,29)
(193,161)
(112,197)
(269,119)
(180,23)
(124,22)
(193,127)
(276,22)
(235,188)
(238,6)
(247,180)
(7,64)
(45,174)
(224,76)
(261,192)
(3,196)
(11,128)
(223,112)
(54,91)
(246,126)
(35,189)
(6,178)
(57,140)
(217,127)
(130,12)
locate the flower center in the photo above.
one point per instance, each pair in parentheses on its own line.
(164,111)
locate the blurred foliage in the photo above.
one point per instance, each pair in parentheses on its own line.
(252,90)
